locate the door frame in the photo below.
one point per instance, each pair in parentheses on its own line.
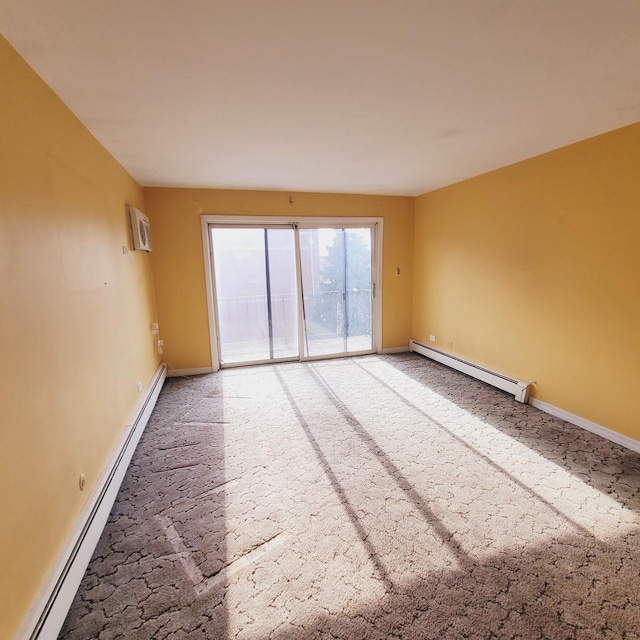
(300,222)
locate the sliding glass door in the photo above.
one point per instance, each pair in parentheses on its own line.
(337,290)
(294,291)
(256,294)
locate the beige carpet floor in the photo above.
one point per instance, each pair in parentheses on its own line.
(374,497)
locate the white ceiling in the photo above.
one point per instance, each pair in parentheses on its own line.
(361,96)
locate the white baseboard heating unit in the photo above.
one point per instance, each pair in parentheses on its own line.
(519,389)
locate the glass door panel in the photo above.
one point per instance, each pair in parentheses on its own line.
(358,287)
(283,292)
(255,286)
(336,269)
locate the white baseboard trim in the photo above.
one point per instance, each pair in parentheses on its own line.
(394,350)
(176,373)
(594,427)
(50,607)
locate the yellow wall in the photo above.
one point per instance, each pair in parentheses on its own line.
(74,324)
(178,264)
(534,270)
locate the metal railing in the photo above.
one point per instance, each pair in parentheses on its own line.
(332,312)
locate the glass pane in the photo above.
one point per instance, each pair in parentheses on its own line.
(256,293)
(322,262)
(336,282)
(358,290)
(241,292)
(283,286)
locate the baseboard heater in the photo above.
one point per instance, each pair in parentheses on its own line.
(519,389)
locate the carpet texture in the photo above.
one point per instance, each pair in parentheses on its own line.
(374,497)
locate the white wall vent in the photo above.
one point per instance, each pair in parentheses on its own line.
(141,229)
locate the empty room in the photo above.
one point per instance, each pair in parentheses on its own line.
(319,319)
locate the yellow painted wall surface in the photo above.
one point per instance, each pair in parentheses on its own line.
(534,270)
(178,263)
(74,325)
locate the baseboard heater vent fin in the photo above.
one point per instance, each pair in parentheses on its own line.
(519,389)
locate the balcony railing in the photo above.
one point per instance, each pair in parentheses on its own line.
(328,315)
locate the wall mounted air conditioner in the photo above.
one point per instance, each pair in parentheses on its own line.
(141,229)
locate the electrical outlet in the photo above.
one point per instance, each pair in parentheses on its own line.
(432,338)
(155,328)
(139,385)
(82,481)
